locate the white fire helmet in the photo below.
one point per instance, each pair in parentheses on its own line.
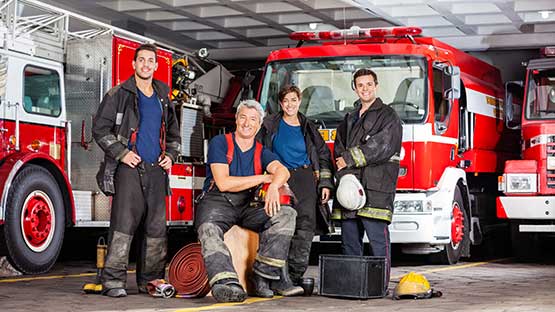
(350,193)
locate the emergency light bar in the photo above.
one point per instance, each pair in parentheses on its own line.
(356,33)
(548,51)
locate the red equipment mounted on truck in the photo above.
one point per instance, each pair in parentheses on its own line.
(454,140)
(529,182)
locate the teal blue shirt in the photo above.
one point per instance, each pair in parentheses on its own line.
(289,145)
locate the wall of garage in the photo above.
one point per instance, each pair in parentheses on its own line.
(508,61)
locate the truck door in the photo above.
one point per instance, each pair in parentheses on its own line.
(36,107)
(446,122)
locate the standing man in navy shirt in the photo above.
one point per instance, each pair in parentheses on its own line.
(137,128)
(235,168)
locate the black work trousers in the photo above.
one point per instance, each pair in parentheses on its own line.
(303,185)
(139,200)
(218,211)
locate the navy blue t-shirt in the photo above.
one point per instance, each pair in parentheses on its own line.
(148,138)
(290,146)
(243,162)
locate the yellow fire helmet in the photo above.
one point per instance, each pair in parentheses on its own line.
(414,286)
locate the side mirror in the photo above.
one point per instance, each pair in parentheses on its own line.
(514,91)
(451,82)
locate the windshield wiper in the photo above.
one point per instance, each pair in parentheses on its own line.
(320,122)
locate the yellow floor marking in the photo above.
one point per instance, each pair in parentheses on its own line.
(36,278)
(227,304)
(454,267)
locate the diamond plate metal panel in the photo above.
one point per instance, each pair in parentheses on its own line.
(83,205)
(102,207)
(88,77)
(192,132)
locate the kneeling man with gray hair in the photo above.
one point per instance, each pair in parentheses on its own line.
(235,168)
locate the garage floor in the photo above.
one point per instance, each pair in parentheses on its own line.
(491,285)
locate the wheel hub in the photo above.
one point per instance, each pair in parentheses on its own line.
(37,221)
(457,225)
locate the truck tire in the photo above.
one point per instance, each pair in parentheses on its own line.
(460,233)
(35,220)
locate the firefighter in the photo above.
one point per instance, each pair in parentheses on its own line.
(300,147)
(367,145)
(235,167)
(142,158)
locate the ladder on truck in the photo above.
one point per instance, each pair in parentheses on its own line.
(38,29)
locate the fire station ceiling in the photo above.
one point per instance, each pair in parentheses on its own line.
(234,29)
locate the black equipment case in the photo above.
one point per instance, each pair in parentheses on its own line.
(357,277)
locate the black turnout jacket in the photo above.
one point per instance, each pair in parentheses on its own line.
(370,145)
(318,153)
(117,119)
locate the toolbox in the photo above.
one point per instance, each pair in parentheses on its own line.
(357,277)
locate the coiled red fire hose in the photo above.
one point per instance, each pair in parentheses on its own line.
(187,272)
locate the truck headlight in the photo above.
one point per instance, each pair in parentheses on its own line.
(412,206)
(521,183)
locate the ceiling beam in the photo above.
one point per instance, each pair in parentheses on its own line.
(161,34)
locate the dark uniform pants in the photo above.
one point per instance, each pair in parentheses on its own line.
(217,212)
(303,185)
(352,232)
(140,199)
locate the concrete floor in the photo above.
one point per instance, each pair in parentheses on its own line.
(492,285)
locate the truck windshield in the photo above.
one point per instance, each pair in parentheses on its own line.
(540,101)
(326,89)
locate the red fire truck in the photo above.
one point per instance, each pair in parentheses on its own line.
(454,138)
(55,67)
(529,182)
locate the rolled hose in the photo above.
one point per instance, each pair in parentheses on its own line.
(187,272)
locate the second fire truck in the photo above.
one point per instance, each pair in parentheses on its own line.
(528,183)
(454,137)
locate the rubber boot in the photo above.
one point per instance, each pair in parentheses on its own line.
(229,292)
(151,262)
(114,275)
(115,293)
(299,254)
(261,286)
(284,286)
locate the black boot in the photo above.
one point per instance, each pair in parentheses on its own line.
(299,254)
(284,286)
(261,286)
(115,293)
(226,291)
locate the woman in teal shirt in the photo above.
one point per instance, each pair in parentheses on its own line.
(300,147)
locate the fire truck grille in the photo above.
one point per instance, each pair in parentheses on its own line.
(550,177)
